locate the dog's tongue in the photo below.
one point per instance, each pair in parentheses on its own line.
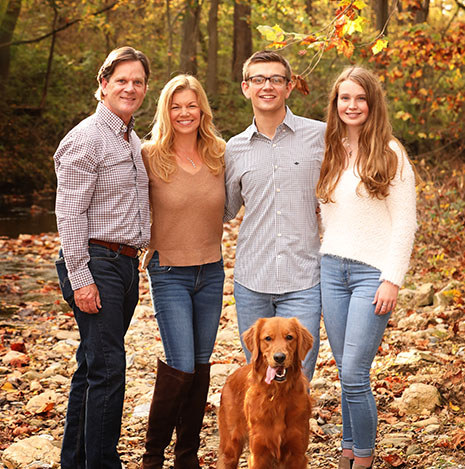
(270,374)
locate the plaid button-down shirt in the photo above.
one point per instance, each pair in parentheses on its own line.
(102,190)
(275,180)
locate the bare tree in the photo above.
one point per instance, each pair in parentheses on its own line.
(190,37)
(382,14)
(242,46)
(7,27)
(212,61)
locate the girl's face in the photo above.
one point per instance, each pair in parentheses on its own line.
(185,112)
(352,106)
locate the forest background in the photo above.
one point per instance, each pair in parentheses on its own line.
(50,52)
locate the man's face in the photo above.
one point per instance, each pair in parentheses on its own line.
(267,98)
(125,90)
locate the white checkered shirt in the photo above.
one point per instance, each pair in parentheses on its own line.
(275,179)
(102,190)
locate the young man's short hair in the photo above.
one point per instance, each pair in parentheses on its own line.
(265,56)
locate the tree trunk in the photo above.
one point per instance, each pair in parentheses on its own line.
(190,35)
(382,14)
(421,14)
(170,39)
(242,45)
(308,8)
(50,57)
(7,27)
(212,62)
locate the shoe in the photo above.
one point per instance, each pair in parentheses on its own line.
(345,463)
(190,419)
(170,391)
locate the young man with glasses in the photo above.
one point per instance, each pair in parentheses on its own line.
(272,168)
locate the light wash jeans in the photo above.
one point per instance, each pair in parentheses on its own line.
(187,303)
(355,332)
(305,305)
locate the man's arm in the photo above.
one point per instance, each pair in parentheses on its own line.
(234,199)
(76,169)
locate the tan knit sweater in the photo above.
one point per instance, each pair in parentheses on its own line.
(187,217)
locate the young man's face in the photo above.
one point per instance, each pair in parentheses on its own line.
(267,97)
(125,90)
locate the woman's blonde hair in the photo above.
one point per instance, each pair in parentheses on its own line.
(159,148)
(376,162)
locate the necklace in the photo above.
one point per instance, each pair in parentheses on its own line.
(191,162)
(349,149)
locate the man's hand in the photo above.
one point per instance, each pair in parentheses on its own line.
(87,299)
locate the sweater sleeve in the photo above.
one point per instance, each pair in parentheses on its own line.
(401,203)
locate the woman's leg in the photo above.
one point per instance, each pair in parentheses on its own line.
(207,301)
(363,335)
(171,289)
(335,298)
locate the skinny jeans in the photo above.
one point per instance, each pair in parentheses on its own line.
(355,332)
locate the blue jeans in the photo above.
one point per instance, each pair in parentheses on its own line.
(95,405)
(355,332)
(187,302)
(305,305)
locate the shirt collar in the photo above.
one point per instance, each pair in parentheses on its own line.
(115,123)
(289,121)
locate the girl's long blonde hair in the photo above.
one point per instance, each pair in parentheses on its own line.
(376,162)
(159,148)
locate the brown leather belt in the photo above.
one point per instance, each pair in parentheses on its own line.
(120,248)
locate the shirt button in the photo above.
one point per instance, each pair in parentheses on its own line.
(279,256)
(278,190)
(275,166)
(279,234)
(279,212)
(274,145)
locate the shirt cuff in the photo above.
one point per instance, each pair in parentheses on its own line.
(81,279)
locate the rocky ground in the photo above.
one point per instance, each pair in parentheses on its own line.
(418,375)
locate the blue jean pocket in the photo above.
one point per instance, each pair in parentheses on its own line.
(65,284)
(154,266)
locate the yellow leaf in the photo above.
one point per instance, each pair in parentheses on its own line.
(359,4)
(454,407)
(422,135)
(8,387)
(405,116)
(418,73)
(272,34)
(352,26)
(379,45)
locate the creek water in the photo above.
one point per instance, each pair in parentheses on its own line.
(27,219)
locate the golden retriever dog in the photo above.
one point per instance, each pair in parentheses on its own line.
(266,402)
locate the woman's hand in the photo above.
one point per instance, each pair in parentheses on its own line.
(386,297)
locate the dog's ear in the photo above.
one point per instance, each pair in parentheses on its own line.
(304,340)
(251,338)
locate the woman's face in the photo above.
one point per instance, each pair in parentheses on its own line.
(352,105)
(185,112)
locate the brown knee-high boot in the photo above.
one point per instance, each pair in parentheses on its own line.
(190,420)
(171,387)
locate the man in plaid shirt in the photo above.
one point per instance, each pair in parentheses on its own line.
(103,219)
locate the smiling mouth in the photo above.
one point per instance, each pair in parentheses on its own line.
(275,373)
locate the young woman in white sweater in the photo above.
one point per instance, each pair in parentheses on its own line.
(367,197)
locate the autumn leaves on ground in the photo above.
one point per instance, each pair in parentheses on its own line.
(418,375)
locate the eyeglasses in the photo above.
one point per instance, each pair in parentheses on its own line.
(275,80)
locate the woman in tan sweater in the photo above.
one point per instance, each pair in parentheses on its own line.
(184,161)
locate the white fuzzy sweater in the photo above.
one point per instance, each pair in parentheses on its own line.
(376,232)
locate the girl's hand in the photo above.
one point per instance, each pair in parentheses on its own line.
(386,297)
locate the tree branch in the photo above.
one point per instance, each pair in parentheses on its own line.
(57,30)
